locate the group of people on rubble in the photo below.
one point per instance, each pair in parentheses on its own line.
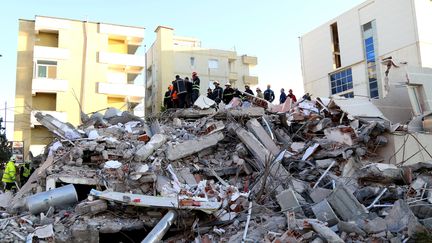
(14,174)
(183,93)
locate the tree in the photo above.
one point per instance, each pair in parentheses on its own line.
(5,146)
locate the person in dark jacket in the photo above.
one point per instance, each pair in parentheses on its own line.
(269,94)
(209,93)
(248,90)
(282,97)
(217,92)
(195,87)
(167,99)
(292,96)
(179,86)
(189,92)
(228,93)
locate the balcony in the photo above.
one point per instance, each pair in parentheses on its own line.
(47,85)
(122,60)
(61,116)
(249,60)
(251,80)
(134,92)
(232,56)
(232,76)
(134,35)
(50,53)
(53,24)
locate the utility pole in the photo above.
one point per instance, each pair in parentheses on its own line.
(5,116)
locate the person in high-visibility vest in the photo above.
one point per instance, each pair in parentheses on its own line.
(9,175)
(25,172)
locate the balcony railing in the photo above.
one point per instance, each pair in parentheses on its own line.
(251,80)
(121,90)
(122,59)
(61,116)
(50,53)
(249,60)
(47,85)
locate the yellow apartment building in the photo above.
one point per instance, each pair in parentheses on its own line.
(63,64)
(171,55)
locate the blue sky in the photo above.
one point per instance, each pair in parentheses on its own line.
(266,29)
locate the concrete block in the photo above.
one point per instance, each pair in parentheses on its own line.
(84,233)
(345,204)
(145,151)
(91,207)
(190,147)
(325,213)
(318,194)
(288,201)
(255,127)
(324,163)
(187,176)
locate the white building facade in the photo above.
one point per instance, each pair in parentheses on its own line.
(350,54)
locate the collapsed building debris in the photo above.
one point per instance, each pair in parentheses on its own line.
(310,171)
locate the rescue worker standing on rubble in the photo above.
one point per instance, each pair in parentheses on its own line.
(228,93)
(25,171)
(189,92)
(282,97)
(9,175)
(259,93)
(269,94)
(195,87)
(167,98)
(179,86)
(217,92)
(292,96)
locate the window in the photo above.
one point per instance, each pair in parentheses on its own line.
(213,63)
(46,69)
(336,50)
(369,41)
(192,61)
(341,81)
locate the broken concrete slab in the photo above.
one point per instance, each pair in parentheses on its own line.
(146,150)
(401,218)
(336,134)
(323,163)
(288,201)
(345,204)
(325,232)
(190,147)
(204,103)
(255,127)
(157,202)
(61,129)
(318,194)
(325,213)
(91,207)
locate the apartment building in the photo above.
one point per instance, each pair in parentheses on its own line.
(66,65)
(366,52)
(171,55)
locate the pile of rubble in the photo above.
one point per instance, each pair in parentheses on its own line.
(309,171)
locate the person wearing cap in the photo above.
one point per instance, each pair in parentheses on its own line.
(195,87)
(228,93)
(269,94)
(259,93)
(9,175)
(217,92)
(282,97)
(292,96)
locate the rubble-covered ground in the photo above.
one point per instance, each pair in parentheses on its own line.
(310,171)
